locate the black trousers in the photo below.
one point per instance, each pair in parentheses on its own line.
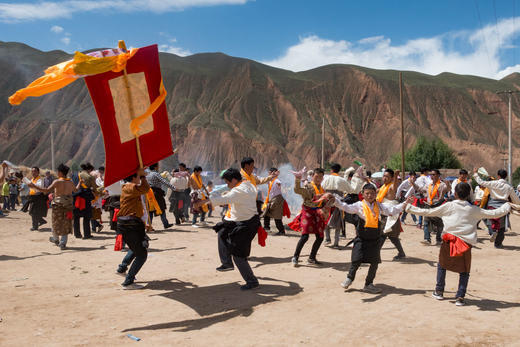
(372,270)
(277,222)
(396,241)
(315,246)
(86,227)
(500,237)
(37,220)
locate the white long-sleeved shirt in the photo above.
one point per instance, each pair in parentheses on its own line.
(499,189)
(333,182)
(276,189)
(454,184)
(357,208)
(460,218)
(407,187)
(423,181)
(242,199)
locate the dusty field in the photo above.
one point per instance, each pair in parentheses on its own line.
(73,297)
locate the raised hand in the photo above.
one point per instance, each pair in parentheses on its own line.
(299,174)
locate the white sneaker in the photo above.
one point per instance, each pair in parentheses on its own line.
(372,289)
(294,261)
(346,283)
(203,224)
(195,226)
(133,286)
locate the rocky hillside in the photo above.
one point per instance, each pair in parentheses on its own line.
(222,108)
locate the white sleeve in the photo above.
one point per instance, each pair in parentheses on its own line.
(224,199)
(429,212)
(495,213)
(391,210)
(349,208)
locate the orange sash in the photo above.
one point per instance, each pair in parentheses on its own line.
(198,181)
(371,217)
(34,180)
(432,194)
(318,191)
(383,191)
(152,203)
(334,174)
(250,178)
(228,213)
(264,206)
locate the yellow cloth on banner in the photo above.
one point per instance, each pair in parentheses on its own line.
(250,178)
(135,124)
(432,193)
(264,206)
(198,181)
(383,191)
(34,180)
(371,218)
(62,74)
(152,203)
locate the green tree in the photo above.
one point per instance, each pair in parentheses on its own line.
(431,154)
(516,177)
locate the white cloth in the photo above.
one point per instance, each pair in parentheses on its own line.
(332,182)
(454,184)
(405,188)
(438,196)
(276,189)
(499,189)
(114,188)
(479,193)
(357,208)
(242,199)
(423,181)
(180,183)
(460,218)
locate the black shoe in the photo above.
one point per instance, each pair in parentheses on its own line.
(280,233)
(223,268)
(56,242)
(34,229)
(313,261)
(249,286)
(42,222)
(87,237)
(168,226)
(399,257)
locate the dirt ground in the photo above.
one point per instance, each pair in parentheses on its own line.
(73,297)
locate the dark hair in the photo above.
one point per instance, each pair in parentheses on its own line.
(131,177)
(502,173)
(369,186)
(369,173)
(210,183)
(319,170)
(273,169)
(87,166)
(154,166)
(335,167)
(390,171)
(351,174)
(436,171)
(182,165)
(424,170)
(101,168)
(463,190)
(36,168)
(176,170)
(197,168)
(64,169)
(231,173)
(412,173)
(463,172)
(246,161)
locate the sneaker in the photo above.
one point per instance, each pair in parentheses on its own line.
(223,268)
(63,247)
(53,240)
(203,224)
(34,229)
(132,286)
(346,283)
(195,226)
(399,257)
(493,236)
(168,226)
(313,261)
(100,227)
(120,272)
(437,295)
(460,302)
(370,288)
(279,233)
(327,242)
(249,286)
(426,242)
(294,261)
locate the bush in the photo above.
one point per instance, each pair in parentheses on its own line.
(516,177)
(430,154)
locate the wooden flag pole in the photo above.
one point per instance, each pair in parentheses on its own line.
(122,45)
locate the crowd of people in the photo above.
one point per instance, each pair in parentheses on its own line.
(451,210)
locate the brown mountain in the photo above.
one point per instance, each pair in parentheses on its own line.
(222,108)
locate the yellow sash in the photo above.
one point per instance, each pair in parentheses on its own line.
(152,203)
(383,191)
(371,218)
(318,190)
(228,213)
(485,198)
(334,174)
(198,181)
(250,178)
(432,194)
(34,180)
(264,206)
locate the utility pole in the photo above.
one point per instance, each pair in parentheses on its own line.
(53,167)
(509,140)
(402,122)
(323,143)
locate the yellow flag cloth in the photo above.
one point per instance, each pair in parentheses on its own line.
(62,74)
(371,218)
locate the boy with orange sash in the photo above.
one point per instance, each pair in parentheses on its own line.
(274,203)
(311,219)
(460,220)
(198,193)
(367,243)
(247,167)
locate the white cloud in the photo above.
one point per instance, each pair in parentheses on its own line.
(16,12)
(462,52)
(65,40)
(174,50)
(57,29)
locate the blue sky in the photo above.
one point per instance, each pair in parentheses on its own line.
(477,37)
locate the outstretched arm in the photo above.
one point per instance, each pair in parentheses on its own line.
(433,212)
